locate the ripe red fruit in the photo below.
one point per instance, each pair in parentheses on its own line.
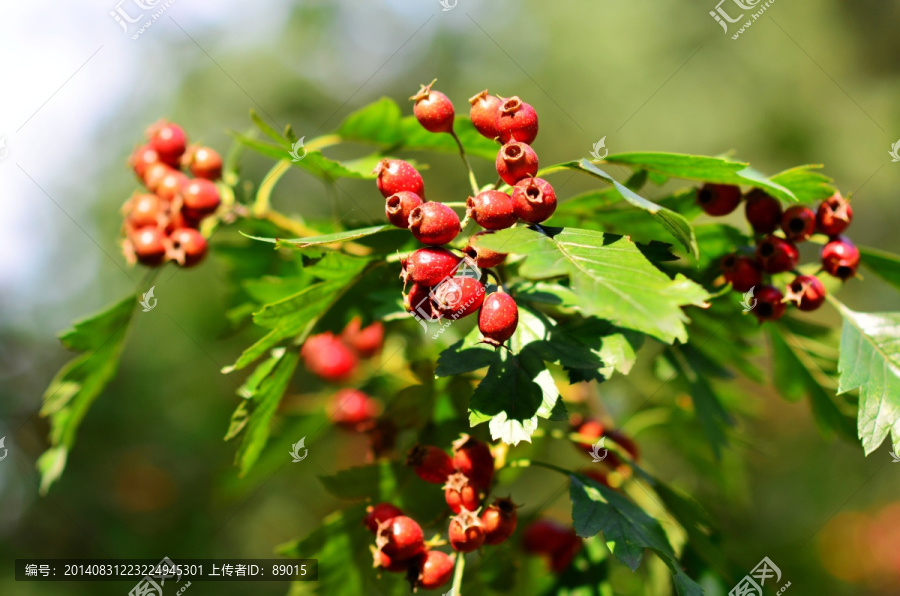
(396,175)
(399,205)
(718,199)
(483,257)
(798,223)
(491,209)
(776,255)
(770,304)
(546,536)
(433,109)
(562,558)
(169,141)
(154,173)
(203,162)
(142,158)
(435,570)
(418,303)
(382,512)
(200,198)
(400,538)
(176,220)
(516,161)
(625,442)
(171,185)
(149,245)
(188,246)
(499,521)
(460,494)
(144,210)
(474,459)
(380,560)
(834,215)
(466,532)
(762,211)
(327,357)
(353,409)
(534,200)
(366,341)
(429,266)
(498,318)
(434,223)
(458,297)
(840,258)
(517,122)
(743,272)
(485,114)
(806,291)
(599,475)
(430,463)
(591,428)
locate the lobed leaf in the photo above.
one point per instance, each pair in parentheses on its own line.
(882,263)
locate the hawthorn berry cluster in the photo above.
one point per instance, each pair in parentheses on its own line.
(777,253)
(439,287)
(163,223)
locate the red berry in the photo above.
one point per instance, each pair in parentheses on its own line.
(366,341)
(435,570)
(491,209)
(188,246)
(200,198)
(399,205)
(169,141)
(171,185)
(327,357)
(834,215)
(434,223)
(498,318)
(499,520)
(429,266)
(176,220)
(485,114)
(430,463)
(517,122)
(203,162)
(546,536)
(154,173)
(142,158)
(516,161)
(743,272)
(534,200)
(382,512)
(762,211)
(400,538)
(460,494)
(770,304)
(563,557)
(353,409)
(380,560)
(840,258)
(718,199)
(433,110)
(458,297)
(806,291)
(483,257)
(418,302)
(600,476)
(798,223)
(466,532)
(145,210)
(149,245)
(396,175)
(474,459)
(776,255)
(625,442)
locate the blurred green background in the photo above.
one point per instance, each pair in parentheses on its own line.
(150,475)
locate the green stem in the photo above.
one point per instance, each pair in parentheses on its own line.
(527,463)
(462,154)
(262,203)
(458,575)
(319,143)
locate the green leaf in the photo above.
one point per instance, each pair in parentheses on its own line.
(378,122)
(326,239)
(870,362)
(267,130)
(806,184)
(313,162)
(100,338)
(611,277)
(882,263)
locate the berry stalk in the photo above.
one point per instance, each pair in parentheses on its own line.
(465,158)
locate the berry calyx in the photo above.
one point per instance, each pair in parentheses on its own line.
(169,142)
(144,210)
(435,570)
(366,341)
(534,200)
(400,538)
(834,215)
(203,162)
(382,512)
(353,409)
(187,246)
(491,209)
(433,109)
(485,114)
(430,463)
(398,206)
(498,318)
(460,494)
(396,175)
(429,266)
(770,304)
(499,521)
(328,358)
(763,211)
(458,297)
(516,161)
(483,257)
(517,121)
(142,158)
(840,258)
(798,223)
(776,254)
(149,245)
(200,197)
(718,199)
(434,223)
(380,560)
(743,272)
(806,292)
(474,459)
(466,532)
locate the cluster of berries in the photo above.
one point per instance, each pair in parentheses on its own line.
(162,224)
(778,253)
